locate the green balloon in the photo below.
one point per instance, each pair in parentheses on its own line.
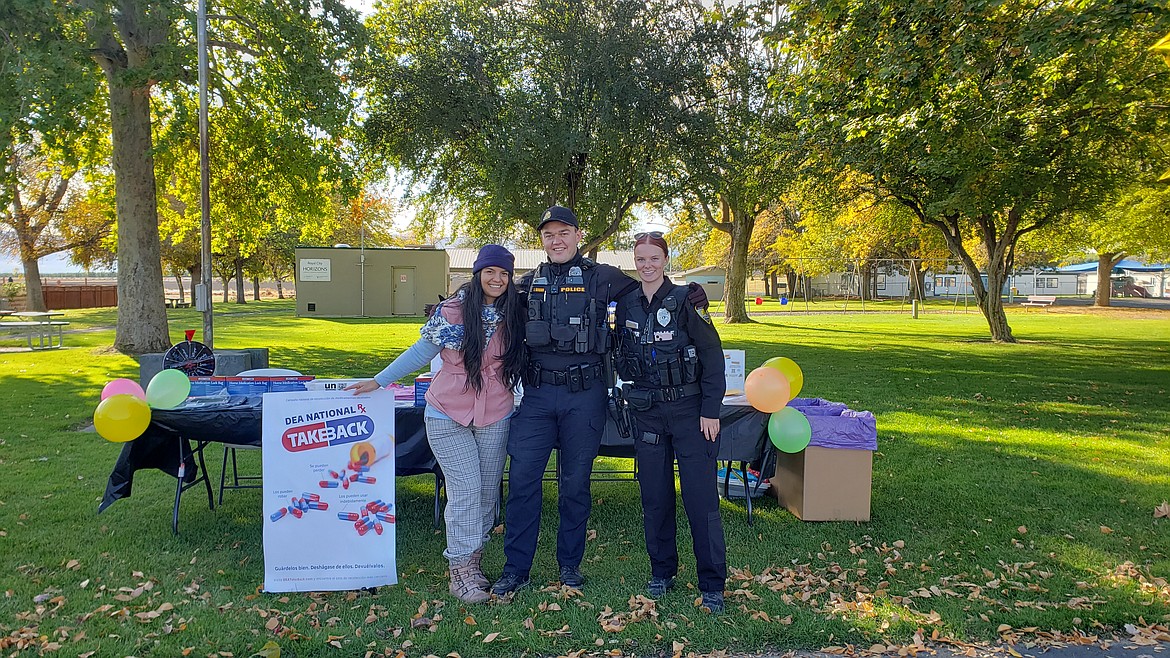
(789,430)
(168,389)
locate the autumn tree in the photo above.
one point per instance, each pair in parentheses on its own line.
(51,208)
(274,59)
(988,121)
(497,110)
(741,155)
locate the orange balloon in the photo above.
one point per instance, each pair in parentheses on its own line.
(767,389)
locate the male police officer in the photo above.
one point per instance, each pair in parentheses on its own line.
(564,405)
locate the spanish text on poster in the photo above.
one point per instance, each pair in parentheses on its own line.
(328,491)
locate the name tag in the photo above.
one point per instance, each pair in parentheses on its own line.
(660,336)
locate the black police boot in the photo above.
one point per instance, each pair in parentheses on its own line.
(659,586)
(510,581)
(572,577)
(713,602)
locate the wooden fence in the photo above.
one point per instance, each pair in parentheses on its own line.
(83,296)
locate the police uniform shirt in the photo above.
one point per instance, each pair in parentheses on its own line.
(712,381)
(607,282)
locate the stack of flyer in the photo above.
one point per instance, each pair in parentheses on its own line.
(237,385)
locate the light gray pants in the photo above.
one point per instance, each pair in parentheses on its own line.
(472,459)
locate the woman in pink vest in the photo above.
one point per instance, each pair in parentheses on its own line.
(479,333)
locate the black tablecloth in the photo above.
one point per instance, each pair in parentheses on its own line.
(742,436)
(166,444)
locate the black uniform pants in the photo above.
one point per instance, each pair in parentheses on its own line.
(551,417)
(677,426)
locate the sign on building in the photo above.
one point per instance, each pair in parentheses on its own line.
(315,269)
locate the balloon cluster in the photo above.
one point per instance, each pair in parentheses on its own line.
(769,389)
(124,412)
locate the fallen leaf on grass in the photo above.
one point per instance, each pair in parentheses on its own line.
(1162,511)
(1106,530)
(490,637)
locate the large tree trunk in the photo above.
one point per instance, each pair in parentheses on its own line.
(256,289)
(279,289)
(989,297)
(239,275)
(792,279)
(34,294)
(142,318)
(1105,263)
(742,224)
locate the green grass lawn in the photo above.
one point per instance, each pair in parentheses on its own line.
(1014,488)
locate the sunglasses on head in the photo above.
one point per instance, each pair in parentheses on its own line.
(649,234)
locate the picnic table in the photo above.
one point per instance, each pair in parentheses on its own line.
(38,325)
(174,301)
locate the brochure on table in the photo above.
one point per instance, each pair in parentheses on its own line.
(734,362)
(328,491)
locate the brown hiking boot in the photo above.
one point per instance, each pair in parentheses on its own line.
(463,585)
(475,562)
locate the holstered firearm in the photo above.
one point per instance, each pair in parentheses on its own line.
(619,411)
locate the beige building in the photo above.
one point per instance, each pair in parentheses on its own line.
(357,282)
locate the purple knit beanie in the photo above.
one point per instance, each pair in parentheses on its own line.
(493,255)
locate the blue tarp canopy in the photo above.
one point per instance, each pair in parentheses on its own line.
(1130,265)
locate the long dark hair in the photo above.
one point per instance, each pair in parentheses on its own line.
(511,324)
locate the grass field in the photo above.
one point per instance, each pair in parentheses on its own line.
(1014,495)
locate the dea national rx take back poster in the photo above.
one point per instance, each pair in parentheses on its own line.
(328,491)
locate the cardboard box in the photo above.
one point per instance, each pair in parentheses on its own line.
(825,484)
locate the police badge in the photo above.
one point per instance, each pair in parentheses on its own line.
(574,271)
(663,317)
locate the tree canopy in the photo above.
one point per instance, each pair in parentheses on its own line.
(498,110)
(990,119)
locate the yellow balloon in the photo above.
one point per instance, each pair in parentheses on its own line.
(766,389)
(121,418)
(791,372)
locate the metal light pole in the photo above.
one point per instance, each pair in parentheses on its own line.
(203,289)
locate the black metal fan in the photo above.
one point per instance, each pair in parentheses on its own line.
(191,357)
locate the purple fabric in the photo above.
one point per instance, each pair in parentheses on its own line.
(835,425)
(817,406)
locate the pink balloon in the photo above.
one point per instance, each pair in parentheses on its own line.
(123,386)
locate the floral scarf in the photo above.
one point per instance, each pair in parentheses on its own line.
(444,334)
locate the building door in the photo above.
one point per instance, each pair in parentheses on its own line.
(402,291)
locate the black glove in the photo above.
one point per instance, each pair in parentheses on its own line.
(696,295)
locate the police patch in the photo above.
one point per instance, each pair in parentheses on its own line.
(704,315)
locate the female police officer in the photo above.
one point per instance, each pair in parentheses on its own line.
(672,356)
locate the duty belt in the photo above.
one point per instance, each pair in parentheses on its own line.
(672,393)
(577,377)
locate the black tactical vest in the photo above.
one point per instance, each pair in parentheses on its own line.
(655,351)
(564,314)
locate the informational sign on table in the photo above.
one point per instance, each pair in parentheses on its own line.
(328,491)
